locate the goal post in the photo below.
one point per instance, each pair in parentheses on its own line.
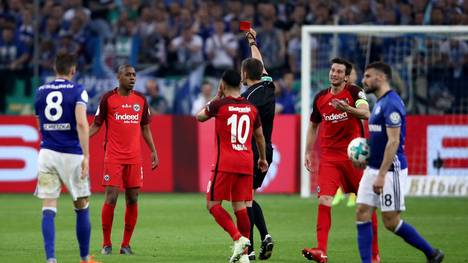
(411,33)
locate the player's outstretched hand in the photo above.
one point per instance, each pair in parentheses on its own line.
(84,167)
(251,35)
(154,160)
(340,104)
(263,165)
(379,184)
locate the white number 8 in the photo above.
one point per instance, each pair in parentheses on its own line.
(51,104)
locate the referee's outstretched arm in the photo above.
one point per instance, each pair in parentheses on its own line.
(251,38)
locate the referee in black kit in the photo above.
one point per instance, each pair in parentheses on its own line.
(261,93)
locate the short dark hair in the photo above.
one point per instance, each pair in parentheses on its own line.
(123,67)
(342,61)
(231,78)
(382,67)
(253,67)
(64,63)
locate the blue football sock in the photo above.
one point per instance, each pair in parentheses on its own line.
(48,231)
(83,231)
(365,241)
(412,237)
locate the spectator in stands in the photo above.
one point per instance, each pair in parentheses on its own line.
(52,29)
(248,13)
(202,98)
(294,51)
(46,57)
(220,50)
(437,17)
(234,10)
(455,60)
(146,25)
(272,44)
(405,14)
(188,51)
(286,99)
(126,41)
(74,6)
(26,35)
(203,22)
(153,49)
(157,103)
(14,56)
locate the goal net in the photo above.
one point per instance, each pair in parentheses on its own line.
(430,69)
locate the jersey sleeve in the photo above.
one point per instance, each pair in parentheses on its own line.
(393,114)
(101,113)
(212,108)
(267,78)
(315,116)
(81,96)
(358,95)
(146,114)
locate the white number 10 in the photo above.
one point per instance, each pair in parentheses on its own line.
(237,127)
(54,105)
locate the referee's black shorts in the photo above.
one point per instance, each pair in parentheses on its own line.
(258,175)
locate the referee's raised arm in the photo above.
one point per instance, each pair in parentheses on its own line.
(251,38)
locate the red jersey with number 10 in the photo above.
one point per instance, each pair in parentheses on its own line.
(124,116)
(337,128)
(235,120)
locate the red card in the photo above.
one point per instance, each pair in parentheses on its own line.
(245,25)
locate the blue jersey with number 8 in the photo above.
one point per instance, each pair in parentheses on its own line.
(55,107)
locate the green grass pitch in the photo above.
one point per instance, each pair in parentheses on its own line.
(177,228)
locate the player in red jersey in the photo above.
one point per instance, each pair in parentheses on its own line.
(236,121)
(127,116)
(338,110)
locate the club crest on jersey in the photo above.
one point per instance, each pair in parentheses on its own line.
(395,117)
(136,107)
(106,178)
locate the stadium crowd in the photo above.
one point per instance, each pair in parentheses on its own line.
(174,38)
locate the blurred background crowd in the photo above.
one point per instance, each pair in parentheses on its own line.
(180,48)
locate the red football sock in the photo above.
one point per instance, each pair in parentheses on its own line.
(243,222)
(375,239)
(323,226)
(225,221)
(107,216)
(131,215)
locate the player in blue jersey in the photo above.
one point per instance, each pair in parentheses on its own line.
(382,184)
(64,155)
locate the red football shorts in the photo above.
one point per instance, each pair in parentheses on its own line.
(334,174)
(126,175)
(230,187)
